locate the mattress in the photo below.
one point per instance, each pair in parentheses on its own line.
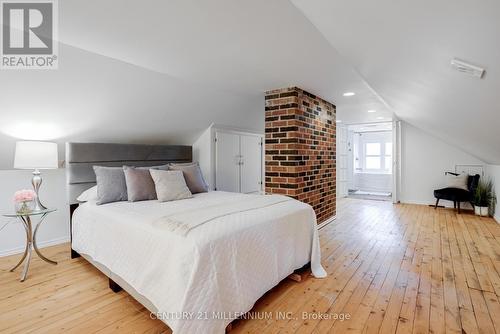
(202,281)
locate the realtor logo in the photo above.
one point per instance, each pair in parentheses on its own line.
(29,34)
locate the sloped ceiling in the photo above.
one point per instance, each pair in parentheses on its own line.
(403,50)
(243,46)
(162,71)
(92,98)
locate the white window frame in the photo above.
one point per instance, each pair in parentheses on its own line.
(383,154)
(366,155)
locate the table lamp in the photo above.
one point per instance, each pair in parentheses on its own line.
(36,155)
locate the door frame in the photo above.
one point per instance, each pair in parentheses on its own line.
(342,145)
(396,160)
(396,155)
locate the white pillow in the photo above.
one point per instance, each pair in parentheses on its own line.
(459,181)
(88,195)
(170,185)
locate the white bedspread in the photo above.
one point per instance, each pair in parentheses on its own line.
(201,281)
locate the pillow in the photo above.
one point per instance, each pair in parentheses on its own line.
(194,178)
(111,184)
(170,185)
(88,195)
(140,185)
(459,181)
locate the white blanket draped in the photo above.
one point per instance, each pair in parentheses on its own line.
(183,222)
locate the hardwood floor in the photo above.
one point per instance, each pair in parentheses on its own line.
(392,269)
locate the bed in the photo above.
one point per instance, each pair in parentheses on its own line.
(198,281)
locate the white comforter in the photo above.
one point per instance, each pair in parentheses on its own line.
(200,282)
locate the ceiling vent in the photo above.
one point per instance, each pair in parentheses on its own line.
(462,66)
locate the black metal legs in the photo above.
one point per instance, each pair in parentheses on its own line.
(437,202)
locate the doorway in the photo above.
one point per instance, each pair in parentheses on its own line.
(365,161)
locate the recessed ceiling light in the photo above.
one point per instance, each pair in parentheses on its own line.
(372,110)
(349,94)
(380,118)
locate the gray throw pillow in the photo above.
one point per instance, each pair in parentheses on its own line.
(170,185)
(458,181)
(140,185)
(194,178)
(111,184)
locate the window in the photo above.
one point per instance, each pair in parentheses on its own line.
(376,153)
(372,156)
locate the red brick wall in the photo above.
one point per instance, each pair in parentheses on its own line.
(300,148)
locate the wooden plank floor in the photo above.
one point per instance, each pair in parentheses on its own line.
(392,269)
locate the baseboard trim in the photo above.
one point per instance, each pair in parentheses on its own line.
(497,218)
(326,222)
(446,204)
(42,244)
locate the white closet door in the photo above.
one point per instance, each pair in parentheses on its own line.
(251,164)
(227,175)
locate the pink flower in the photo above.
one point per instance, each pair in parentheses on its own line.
(24,195)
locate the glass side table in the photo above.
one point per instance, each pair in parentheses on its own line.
(25,218)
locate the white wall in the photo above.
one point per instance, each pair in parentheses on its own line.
(493,171)
(424,162)
(54,230)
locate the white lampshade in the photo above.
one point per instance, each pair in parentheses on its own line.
(36,155)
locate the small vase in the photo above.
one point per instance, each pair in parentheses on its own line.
(25,207)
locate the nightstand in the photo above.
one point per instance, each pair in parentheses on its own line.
(25,219)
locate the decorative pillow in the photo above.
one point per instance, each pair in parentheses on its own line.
(140,185)
(170,185)
(194,178)
(88,195)
(111,184)
(459,181)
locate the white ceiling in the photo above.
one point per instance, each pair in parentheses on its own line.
(163,70)
(243,46)
(403,51)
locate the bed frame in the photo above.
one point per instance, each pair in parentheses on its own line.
(80,176)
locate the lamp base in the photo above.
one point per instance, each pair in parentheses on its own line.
(36,181)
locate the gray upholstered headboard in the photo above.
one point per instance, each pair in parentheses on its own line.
(80,157)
